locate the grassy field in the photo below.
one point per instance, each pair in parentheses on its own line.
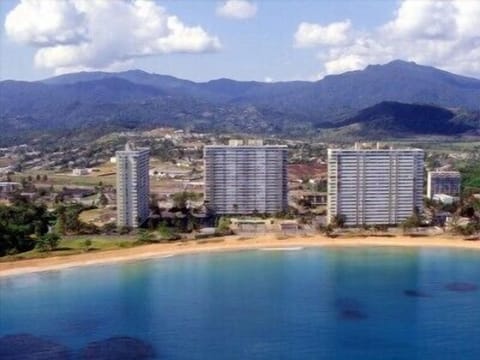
(66,179)
(105,173)
(77,244)
(98,217)
(438,144)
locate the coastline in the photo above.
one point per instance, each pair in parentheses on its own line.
(267,242)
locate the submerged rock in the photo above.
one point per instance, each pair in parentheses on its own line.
(416,293)
(122,347)
(353,314)
(29,347)
(350,309)
(461,287)
(349,303)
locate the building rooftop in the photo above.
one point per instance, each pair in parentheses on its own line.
(132,148)
(245,146)
(370,147)
(376,150)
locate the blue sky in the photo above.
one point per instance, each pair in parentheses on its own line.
(268,43)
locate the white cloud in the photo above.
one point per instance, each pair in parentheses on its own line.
(237,9)
(439,33)
(424,20)
(311,35)
(76,35)
(43,23)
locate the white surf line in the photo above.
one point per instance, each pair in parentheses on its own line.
(292,248)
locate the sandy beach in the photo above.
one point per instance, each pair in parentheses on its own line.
(270,242)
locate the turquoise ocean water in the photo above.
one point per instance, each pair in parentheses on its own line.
(348,303)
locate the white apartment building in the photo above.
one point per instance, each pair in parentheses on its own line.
(443,183)
(133,186)
(80,172)
(246,178)
(374,187)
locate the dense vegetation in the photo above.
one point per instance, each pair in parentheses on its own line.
(21,224)
(388,118)
(471,177)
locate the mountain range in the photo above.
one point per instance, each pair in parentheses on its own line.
(399,98)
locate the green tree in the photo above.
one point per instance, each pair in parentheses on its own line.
(20,224)
(60,226)
(145,236)
(102,200)
(180,199)
(338,220)
(411,222)
(223,226)
(48,242)
(167,233)
(87,244)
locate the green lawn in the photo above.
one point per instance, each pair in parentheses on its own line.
(76,245)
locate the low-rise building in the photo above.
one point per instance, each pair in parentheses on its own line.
(251,226)
(310,198)
(80,172)
(8,187)
(443,182)
(289,227)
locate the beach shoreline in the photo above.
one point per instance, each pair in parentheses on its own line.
(268,242)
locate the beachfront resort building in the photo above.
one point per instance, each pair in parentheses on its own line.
(133,186)
(443,183)
(246,178)
(374,186)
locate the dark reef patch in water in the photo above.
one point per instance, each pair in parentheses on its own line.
(122,347)
(350,309)
(416,293)
(353,314)
(347,303)
(29,347)
(461,287)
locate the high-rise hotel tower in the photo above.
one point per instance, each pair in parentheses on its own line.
(246,178)
(133,186)
(374,186)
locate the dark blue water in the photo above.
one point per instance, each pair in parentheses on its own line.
(374,303)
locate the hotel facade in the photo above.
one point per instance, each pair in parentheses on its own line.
(133,186)
(443,183)
(374,186)
(246,178)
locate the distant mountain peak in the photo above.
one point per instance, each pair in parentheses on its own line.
(136,98)
(137,71)
(399,62)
